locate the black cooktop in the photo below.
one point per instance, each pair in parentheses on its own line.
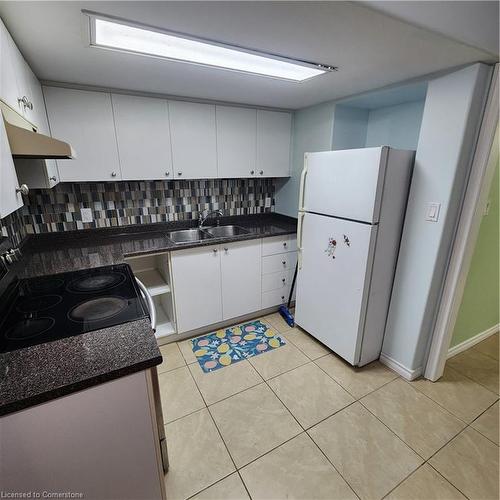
(39,310)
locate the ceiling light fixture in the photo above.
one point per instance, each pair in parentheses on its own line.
(117,34)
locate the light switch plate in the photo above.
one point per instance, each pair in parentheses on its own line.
(86,215)
(432,214)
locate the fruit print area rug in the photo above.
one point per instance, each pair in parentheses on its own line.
(227,346)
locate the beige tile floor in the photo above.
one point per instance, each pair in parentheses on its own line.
(300,423)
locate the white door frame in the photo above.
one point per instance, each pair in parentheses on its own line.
(476,195)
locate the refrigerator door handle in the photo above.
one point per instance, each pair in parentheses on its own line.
(302,183)
(299,238)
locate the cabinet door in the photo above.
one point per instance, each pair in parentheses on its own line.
(236,141)
(143,136)
(10,200)
(197,287)
(273,143)
(85,120)
(194,152)
(241,278)
(38,173)
(9,91)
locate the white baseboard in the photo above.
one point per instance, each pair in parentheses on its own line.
(466,344)
(400,369)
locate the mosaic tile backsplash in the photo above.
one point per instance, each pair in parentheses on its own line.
(135,202)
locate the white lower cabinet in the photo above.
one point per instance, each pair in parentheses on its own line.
(220,282)
(241,282)
(197,287)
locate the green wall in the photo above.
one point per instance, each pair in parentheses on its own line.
(480,302)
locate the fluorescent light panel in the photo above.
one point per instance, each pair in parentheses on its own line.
(115,35)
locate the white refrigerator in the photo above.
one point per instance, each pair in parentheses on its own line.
(351,210)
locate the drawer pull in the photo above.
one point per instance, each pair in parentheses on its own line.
(284,244)
(284,280)
(214,250)
(284,262)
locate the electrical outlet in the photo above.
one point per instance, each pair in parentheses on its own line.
(87,215)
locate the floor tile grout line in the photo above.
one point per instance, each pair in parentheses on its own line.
(475,381)
(210,485)
(403,480)
(331,463)
(446,479)
(409,382)
(302,351)
(448,410)
(234,394)
(305,430)
(471,426)
(282,373)
(222,439)
(319,421)
(437,451)
(392,432)
(396,376)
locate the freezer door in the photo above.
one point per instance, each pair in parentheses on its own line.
(345,184)
(333,281)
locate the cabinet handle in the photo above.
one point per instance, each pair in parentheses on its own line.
(167,173)
(283,279)
(53,178)
(284,262)
(225,250)
(113,174)
(284,244)
(214,250)
(282,297)
(25,102)
(179,173)
(252,172)
(23,189)
(261,172)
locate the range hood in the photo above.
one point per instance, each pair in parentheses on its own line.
(26,142)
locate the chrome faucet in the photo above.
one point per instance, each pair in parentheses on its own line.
(201,219)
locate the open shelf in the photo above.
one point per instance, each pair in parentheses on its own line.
(154,272)
(164,325)
(153,281)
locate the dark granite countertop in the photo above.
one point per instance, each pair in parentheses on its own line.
(73,250)
(47,371)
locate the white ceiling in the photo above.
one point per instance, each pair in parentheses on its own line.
(474,23)
(371,49)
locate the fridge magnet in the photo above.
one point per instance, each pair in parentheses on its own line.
(330,249)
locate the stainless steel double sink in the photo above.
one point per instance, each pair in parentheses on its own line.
(196,235)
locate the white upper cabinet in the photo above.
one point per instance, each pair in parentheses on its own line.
(17,81)
(236,141)
(85,120)
(273,143)
(9,92)
(143,136)
(10,198)
(194,144)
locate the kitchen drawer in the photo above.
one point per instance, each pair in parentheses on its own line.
(275,281)
(275,297)
(279,244)
(279,262)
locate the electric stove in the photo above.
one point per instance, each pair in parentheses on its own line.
(38,310)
